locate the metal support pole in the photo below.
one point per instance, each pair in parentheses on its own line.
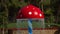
(30,26)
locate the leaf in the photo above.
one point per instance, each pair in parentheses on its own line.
(49,11)
(46,2)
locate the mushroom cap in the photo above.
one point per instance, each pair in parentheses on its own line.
(30,12)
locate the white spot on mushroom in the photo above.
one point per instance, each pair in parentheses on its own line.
(40,15)
(30,13)
(36,13)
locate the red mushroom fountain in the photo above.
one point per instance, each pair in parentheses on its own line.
(30,13)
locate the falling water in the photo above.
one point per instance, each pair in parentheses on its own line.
(40,21)
(18,26)
(21,23)
(42,25)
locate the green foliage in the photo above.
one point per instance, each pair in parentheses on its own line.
(18,3)
(46,2)
(49,11)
